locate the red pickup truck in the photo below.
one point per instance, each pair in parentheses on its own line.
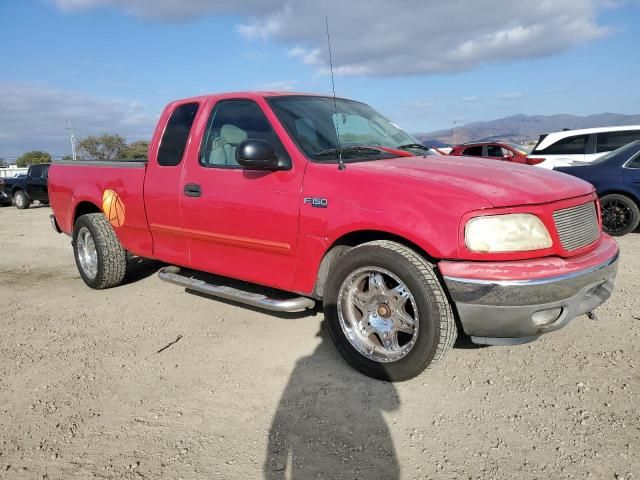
(328,199)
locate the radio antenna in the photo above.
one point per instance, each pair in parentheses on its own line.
(341,165)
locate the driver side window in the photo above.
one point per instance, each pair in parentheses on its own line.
(232,122)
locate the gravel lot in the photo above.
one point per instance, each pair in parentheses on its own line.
(245,394)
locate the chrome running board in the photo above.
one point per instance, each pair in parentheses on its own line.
(296,304)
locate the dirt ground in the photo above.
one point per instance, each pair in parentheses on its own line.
(245,394)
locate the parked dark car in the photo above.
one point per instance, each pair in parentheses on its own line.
(616,177)
(23,190)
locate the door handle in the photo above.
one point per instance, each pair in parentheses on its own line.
(192,190)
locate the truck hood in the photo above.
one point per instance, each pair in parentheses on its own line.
(503,184)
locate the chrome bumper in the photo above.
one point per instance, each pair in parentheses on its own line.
(54,224)
(502,312)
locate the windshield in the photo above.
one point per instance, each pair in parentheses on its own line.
(364,134)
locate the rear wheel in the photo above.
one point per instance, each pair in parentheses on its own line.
(387,312)
(101,260)
(620,214)
(21,200)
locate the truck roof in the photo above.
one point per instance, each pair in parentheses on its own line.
(249,94)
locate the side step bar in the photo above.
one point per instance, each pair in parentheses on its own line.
(297,304)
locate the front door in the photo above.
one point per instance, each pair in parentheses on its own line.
(37,182)
(241,223)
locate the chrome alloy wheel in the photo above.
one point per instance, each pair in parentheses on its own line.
(87,253)
(378,314)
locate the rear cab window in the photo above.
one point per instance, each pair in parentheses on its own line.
(176,134)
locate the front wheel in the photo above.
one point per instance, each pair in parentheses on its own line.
(387,312)
(101,260)
(620,214)
(21,200)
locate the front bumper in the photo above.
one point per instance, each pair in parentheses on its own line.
(5,197)
(503,311)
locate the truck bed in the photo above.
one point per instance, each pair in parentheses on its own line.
(78,187)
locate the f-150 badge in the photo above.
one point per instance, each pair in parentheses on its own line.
(317,202)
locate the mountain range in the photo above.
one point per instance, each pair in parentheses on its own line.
(522,128)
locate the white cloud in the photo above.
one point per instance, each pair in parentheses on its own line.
(469,99)
(378,37)
(511,96)
(35,118)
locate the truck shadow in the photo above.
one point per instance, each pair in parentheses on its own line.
(463,342)
(139,268)
(329,422)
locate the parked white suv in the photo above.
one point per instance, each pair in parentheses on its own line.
(571,147)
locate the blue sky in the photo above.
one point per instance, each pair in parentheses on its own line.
(109,66)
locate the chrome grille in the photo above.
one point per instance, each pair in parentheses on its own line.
(577,226)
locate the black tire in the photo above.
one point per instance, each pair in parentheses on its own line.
(620,214)
(437,330)
(22,200)
(111,257)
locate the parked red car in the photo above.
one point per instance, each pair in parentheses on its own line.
(330,200)
(495,150)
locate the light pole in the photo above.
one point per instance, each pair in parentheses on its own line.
(72,139)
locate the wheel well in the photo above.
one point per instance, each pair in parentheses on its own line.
(16,190)
(621,192)
(83,208)
(353,239)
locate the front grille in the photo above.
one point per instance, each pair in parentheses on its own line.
(577,226)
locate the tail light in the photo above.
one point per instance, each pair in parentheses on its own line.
(534,161)
(1,182)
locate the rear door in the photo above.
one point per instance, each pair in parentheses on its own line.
(162,183)
(241,223)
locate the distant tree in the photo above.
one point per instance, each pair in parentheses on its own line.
(137,150)
(3,163)
(35,156)
(102,147)
(67,157)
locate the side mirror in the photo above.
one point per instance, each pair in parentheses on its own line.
(257,155)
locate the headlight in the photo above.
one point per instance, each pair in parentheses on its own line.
(515,232)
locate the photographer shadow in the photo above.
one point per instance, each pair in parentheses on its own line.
(329,422)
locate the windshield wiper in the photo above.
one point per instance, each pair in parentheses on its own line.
(363,150)
(413,145)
